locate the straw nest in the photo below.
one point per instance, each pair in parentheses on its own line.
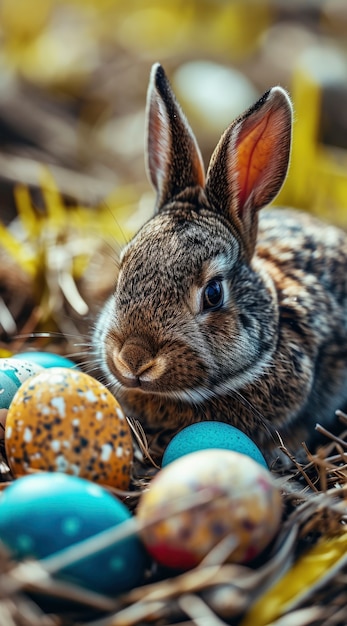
(300,579)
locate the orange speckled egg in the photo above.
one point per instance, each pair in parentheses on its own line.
(63,420)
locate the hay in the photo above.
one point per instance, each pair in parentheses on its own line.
(299,580)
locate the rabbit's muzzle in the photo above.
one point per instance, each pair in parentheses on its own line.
(136,364)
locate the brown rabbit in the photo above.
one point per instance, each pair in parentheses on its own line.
(216,316)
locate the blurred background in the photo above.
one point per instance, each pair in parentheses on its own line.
(73,81)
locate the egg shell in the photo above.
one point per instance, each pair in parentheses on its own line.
(45,359)
(45,513)
(243,502)
(65,420)
(205,435)
(12,374)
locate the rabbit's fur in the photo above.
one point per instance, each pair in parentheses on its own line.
(217,317)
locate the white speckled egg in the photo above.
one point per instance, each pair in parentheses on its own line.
(65,420)
(240,500)
(12,374)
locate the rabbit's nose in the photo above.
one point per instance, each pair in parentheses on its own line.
(136,363)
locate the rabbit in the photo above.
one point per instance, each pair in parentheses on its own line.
(222,311)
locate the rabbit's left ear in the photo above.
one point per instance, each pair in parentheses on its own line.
(174,160)
(250,162)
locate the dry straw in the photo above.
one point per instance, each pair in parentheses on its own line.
(299,581)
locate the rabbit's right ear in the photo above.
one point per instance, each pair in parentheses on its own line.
(174,160)
(249,164)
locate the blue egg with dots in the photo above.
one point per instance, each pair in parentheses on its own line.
(12,374)
(44,514)
(206,435)
(46,359)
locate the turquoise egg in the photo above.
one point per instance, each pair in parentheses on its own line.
(12,374)
(205,435)
(46,359)
(43,514)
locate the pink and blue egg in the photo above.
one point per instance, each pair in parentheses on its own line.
(240,502)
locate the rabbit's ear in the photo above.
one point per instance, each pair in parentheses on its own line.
(174,161)
(250,162)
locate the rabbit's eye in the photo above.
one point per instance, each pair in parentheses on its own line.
(213,295)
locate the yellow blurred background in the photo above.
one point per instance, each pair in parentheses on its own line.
(73,84)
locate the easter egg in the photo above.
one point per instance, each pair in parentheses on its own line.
(205,435)
(65,420)
(12,374)
(234,497)
(42,514)
(45,359)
